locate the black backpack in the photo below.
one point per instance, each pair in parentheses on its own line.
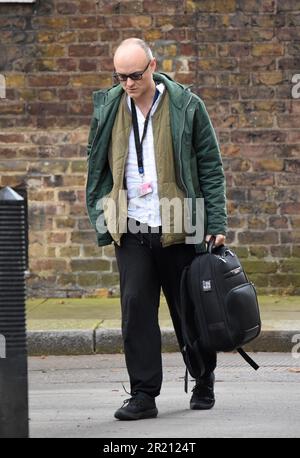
(219,308)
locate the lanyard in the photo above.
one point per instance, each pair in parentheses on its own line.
(137,140)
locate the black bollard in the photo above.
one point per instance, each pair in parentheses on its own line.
(13,349)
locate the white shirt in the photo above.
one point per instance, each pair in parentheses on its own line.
(144,209)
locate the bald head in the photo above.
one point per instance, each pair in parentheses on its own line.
(134,56)
(130,44)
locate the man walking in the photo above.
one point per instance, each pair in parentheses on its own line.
(151,140)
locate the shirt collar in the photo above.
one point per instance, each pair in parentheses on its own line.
(160,87)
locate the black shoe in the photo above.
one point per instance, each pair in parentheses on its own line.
(139,406)
(203,393)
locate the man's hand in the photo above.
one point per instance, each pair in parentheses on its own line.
(220,239)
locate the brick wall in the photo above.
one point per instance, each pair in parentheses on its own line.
(240,56)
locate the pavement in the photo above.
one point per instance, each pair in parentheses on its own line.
(76,397)
(87,326)
(77,374)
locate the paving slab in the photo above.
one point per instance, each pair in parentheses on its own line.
(76,396)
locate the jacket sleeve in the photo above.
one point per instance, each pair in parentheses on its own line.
(94,124)
(92,133)
(210,171)
(98,177)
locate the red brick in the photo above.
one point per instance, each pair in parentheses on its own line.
(88,36)
(278,222)
(257,6)
(87,65)
(68,196)
(88,50)
(288,5)
(87,7)
(12,22)
(48,80)
(106,64)
(66,37)
(12,108)
(13,166)
(290,237)
(272,165)
(55,23)
(80,108)
(83,22)
(12,138)
(109,35)
(92,79)
(170,7)
(287,179)
(239,56)
(256,237)
(259,136)
(44,109)
(67,7)
(177,35)
(67,65)
(292,165)
(7,153)
(253,179)
(288,121)
(290,208)
(218,36)
(240,165)
(256,34)
(289,63)
(267,49)
(68,94)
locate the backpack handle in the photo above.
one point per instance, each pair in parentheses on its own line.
(211,243)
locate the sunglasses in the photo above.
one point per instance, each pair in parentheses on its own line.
(136,76)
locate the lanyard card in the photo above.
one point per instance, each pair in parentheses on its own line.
(144,189)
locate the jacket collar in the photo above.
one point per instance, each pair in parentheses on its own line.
(105,97)
(177,91)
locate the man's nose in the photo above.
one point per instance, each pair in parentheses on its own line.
(129,82)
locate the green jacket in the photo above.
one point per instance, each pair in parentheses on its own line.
(198,164)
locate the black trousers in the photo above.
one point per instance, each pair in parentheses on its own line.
(145,267)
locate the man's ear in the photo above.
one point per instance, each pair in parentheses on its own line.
(153,65)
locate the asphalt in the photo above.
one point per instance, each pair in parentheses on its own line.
(76,397)
(89,326)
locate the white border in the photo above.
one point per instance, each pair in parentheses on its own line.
(17,1)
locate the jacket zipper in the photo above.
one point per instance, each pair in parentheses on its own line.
(180,163)
(181,134)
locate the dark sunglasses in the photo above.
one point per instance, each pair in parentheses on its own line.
(133,76)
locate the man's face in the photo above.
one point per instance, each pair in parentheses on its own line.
(135,64)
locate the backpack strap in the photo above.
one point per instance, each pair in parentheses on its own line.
(191,352)
(247,358)
(184,301)
(186,380)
